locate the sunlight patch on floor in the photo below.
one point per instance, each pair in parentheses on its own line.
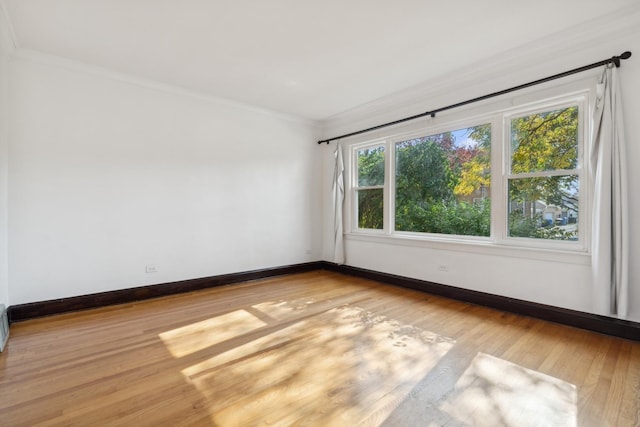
(494,392)
(198,336)
(332,369)
(281,310)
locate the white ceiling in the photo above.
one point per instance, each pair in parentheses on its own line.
(314,59)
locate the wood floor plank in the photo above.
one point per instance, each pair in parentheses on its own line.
(314,349)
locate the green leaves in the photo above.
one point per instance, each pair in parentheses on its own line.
(423,174)
(461,218)
(545,141)
(437,179)
(370,208)
(371,167)
(371,200)
(544,144)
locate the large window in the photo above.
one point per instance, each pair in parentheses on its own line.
(443,181)
(514,177)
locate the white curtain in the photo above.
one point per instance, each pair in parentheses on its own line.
(610,252)
(338,201)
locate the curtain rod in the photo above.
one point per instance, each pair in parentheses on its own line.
(613,60)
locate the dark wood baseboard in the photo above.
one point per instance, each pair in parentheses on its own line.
(592,322)
(17,313)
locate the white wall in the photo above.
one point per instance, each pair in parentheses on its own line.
(539,279)
(109,174)
(6,47)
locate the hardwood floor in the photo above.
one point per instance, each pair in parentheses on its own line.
(313,349)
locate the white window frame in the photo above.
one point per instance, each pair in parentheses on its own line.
(426,132)
(581,101)
(354,188)
(498,114)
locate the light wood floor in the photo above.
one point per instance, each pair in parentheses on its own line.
(315,349)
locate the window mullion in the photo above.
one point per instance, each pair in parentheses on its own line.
(498,180)
(544,174)
(370,187)
(390,182)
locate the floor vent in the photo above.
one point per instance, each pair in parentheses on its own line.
(4,327)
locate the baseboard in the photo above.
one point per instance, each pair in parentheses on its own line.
(592,322)
(34,310)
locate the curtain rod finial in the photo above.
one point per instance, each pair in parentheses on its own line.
(623,55)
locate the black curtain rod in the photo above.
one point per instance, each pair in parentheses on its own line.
(613,60)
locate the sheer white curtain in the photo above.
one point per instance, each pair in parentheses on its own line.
(610,252)
(338,202)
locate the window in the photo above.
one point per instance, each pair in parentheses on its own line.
(442,183)
(512,178)
(369,188)
(544,179)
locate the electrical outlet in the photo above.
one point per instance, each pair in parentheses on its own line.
(308,252)
(150,268)
(443,267)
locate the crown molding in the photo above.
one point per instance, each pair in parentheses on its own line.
(29,55)
(589,42)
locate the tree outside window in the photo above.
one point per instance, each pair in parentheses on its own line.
(370,188)
(442,183)
(543,184)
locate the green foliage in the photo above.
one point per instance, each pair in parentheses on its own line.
(370,209)
(522,226)
(556,233)
(370,201)
(476,173)
(371,166)
(544,142)
(428,172)
(423,173)
(462,218)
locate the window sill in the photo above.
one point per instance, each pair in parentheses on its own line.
(481,247)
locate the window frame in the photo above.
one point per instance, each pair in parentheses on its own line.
(498,115)
(427,132)
(581,101)
(355,187)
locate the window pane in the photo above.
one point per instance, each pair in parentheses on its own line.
(443,183)
(370,208)
(371,166)
(544,208)
(545,141)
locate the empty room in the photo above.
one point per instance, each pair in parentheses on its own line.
(329,213)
